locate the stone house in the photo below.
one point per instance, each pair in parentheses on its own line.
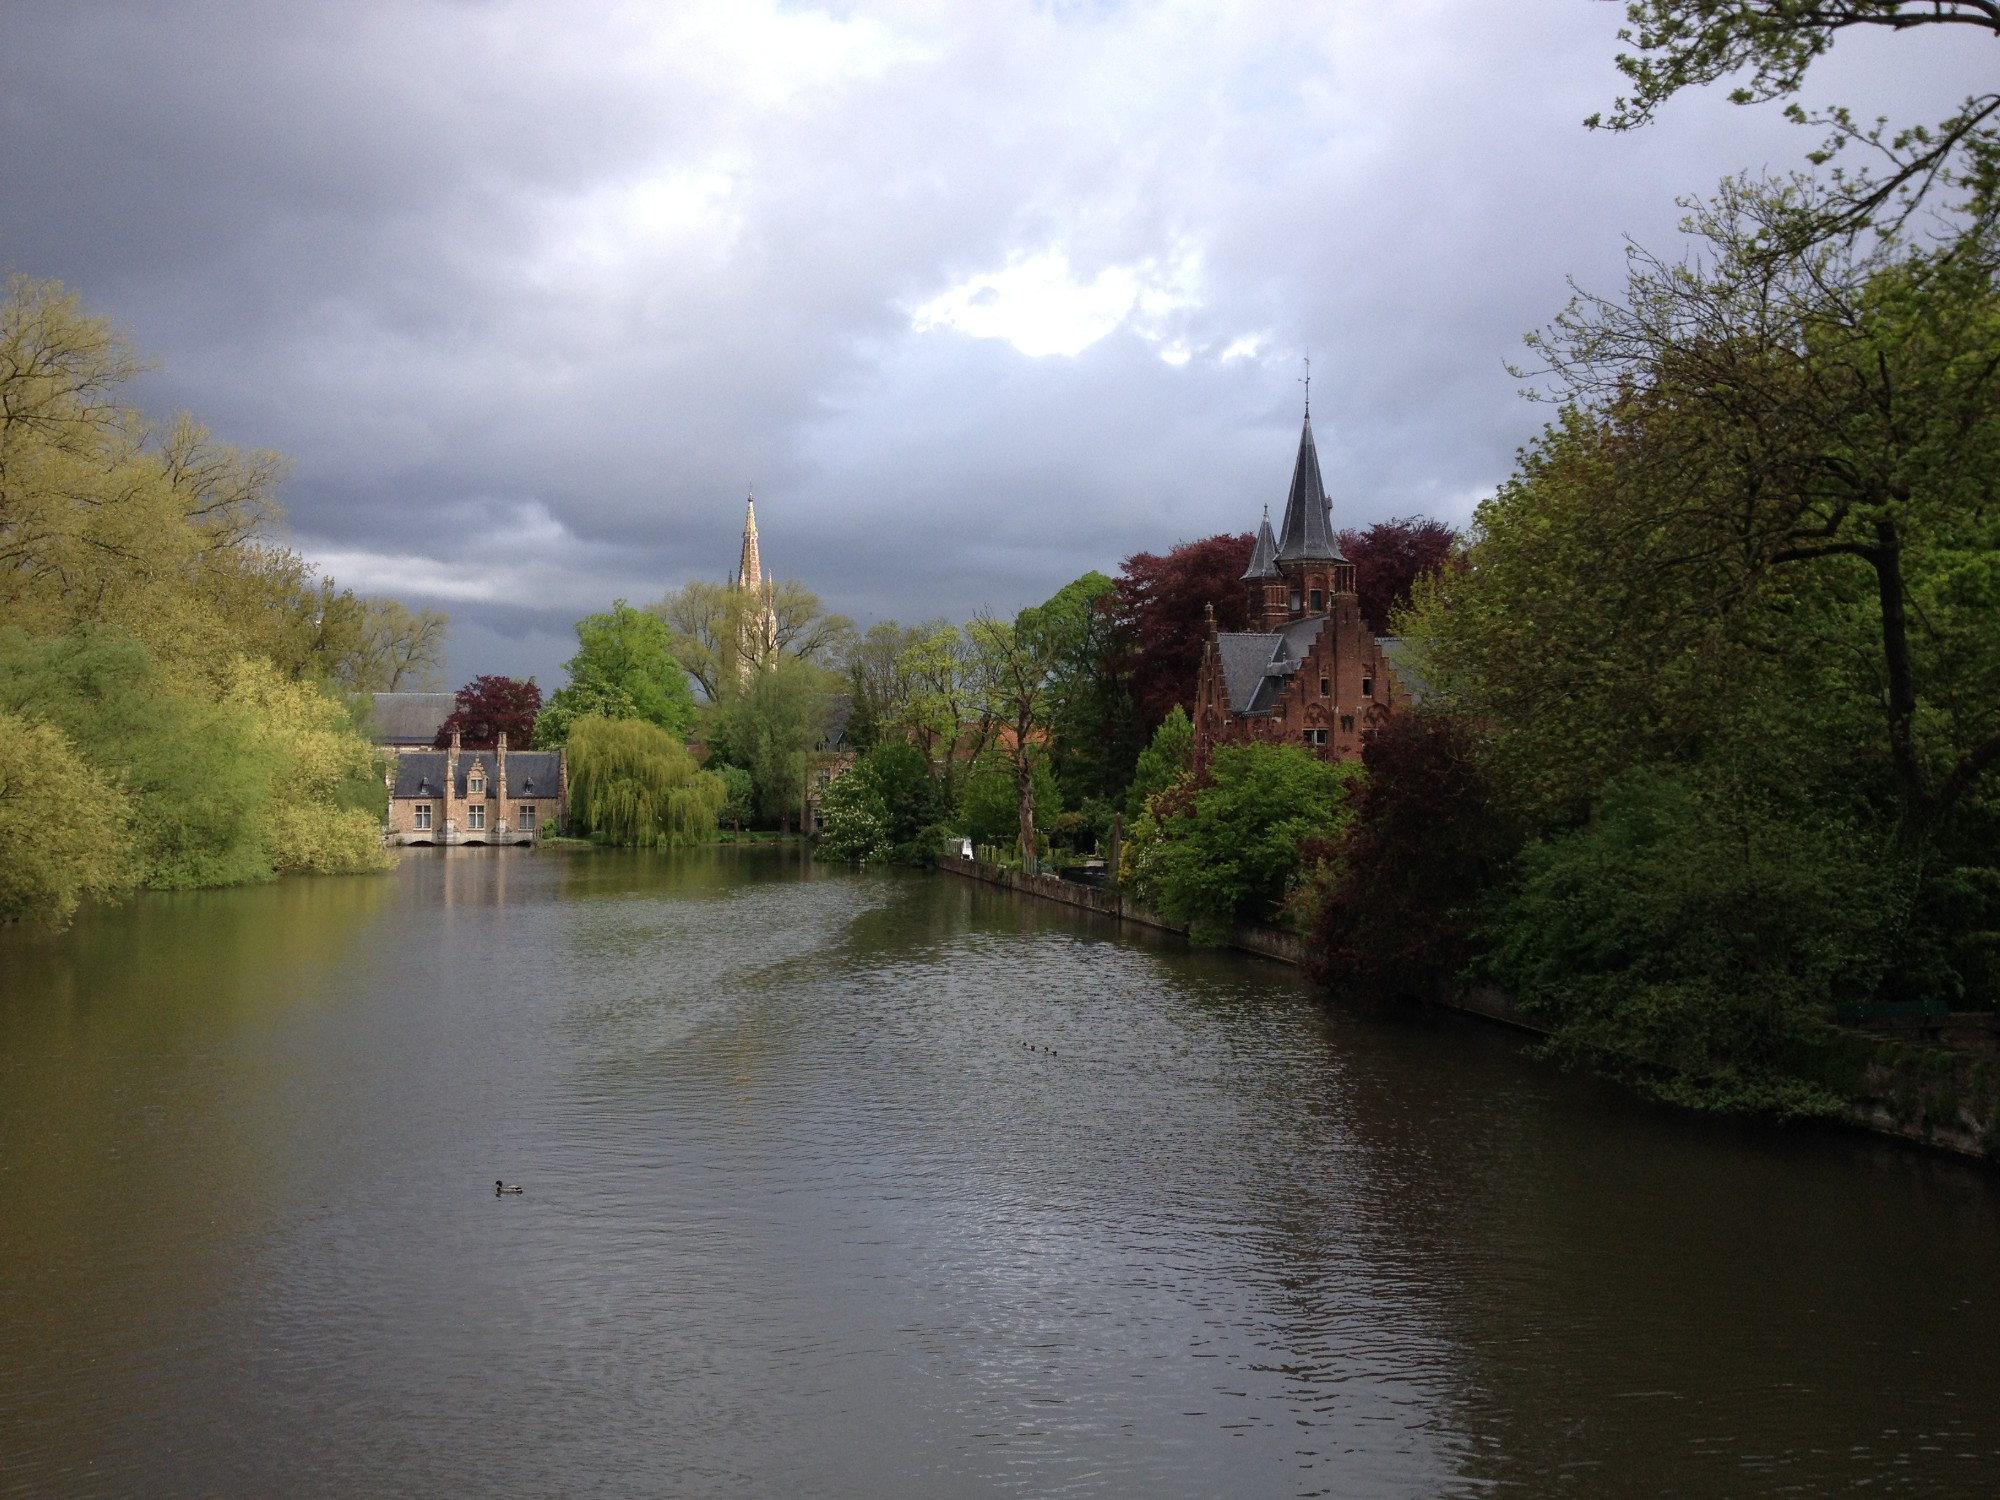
(1309,670)
(460,796)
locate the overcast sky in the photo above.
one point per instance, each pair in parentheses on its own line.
(978,296)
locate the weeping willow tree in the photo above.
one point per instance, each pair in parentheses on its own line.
(636,784)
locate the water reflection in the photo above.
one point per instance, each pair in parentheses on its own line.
(805,1215)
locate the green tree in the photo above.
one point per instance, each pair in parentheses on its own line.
(766,723)
(1164,762)
(712,624)
(1023,682)
(1224,845)
(989,806)
(1771,45)
(62,826)
(631,652)
(634,783)
(1689,942)
(572,701)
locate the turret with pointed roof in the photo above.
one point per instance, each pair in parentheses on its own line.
(1308,530)
(1264,557)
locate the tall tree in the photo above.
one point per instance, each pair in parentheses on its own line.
(710,626)
(1023,685)
(401,650)
(1389,557)
(1160,609)
(628,652)
(488,707)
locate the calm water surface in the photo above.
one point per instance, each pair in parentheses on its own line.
(804,1217)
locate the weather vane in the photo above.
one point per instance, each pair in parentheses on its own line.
(1307,382)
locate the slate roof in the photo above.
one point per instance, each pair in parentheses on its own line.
(833,724)
(1257,665)
(1245,654)
(411,718)
(530,773)
(1264,559)
(1308,533)
(420,775)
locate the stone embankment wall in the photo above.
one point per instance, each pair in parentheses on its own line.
(1942,1091)
(1250,937)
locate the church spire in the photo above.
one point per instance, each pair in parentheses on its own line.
(1308,529)
(750,573)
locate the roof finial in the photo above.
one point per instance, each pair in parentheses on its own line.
(1308,384)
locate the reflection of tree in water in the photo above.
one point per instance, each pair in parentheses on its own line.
(1633,1293)
(140,1096)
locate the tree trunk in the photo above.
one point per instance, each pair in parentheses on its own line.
(1024,783)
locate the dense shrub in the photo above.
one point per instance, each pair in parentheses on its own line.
(1223,845)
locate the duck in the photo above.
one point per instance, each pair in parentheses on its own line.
(500,1187)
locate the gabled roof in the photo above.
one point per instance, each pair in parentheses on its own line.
(1264,558)
(410,718)
(1308,533)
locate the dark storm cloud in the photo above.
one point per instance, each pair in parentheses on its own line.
(978,297)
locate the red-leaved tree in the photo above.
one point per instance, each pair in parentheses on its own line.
(1407,874)
(1159,607)
(1389,557)
(489,707)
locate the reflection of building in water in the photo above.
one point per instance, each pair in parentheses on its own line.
(757,624)
(1308,671)
(459,796)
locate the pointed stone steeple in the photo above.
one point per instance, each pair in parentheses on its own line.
(1308,530)
(1264,557)
(750,573)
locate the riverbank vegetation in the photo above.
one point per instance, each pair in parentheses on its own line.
(178,690)
(1706,759)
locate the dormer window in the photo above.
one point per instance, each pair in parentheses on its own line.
(476,784)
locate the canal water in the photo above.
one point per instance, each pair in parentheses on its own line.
(896,1185)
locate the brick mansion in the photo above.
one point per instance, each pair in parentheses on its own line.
(1309,670)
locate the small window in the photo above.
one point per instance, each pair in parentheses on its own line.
(1315,736)
(1367,687)
(527,817)
(1346,724)
(475,815)
(1326,687)
(476,785)
(1295,601)
(1316,601)
(423,823)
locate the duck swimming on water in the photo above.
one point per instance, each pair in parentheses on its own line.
(500,1187)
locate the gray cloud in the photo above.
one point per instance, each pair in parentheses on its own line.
(534,291)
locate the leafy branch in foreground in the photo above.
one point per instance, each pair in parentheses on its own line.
(1684,44)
